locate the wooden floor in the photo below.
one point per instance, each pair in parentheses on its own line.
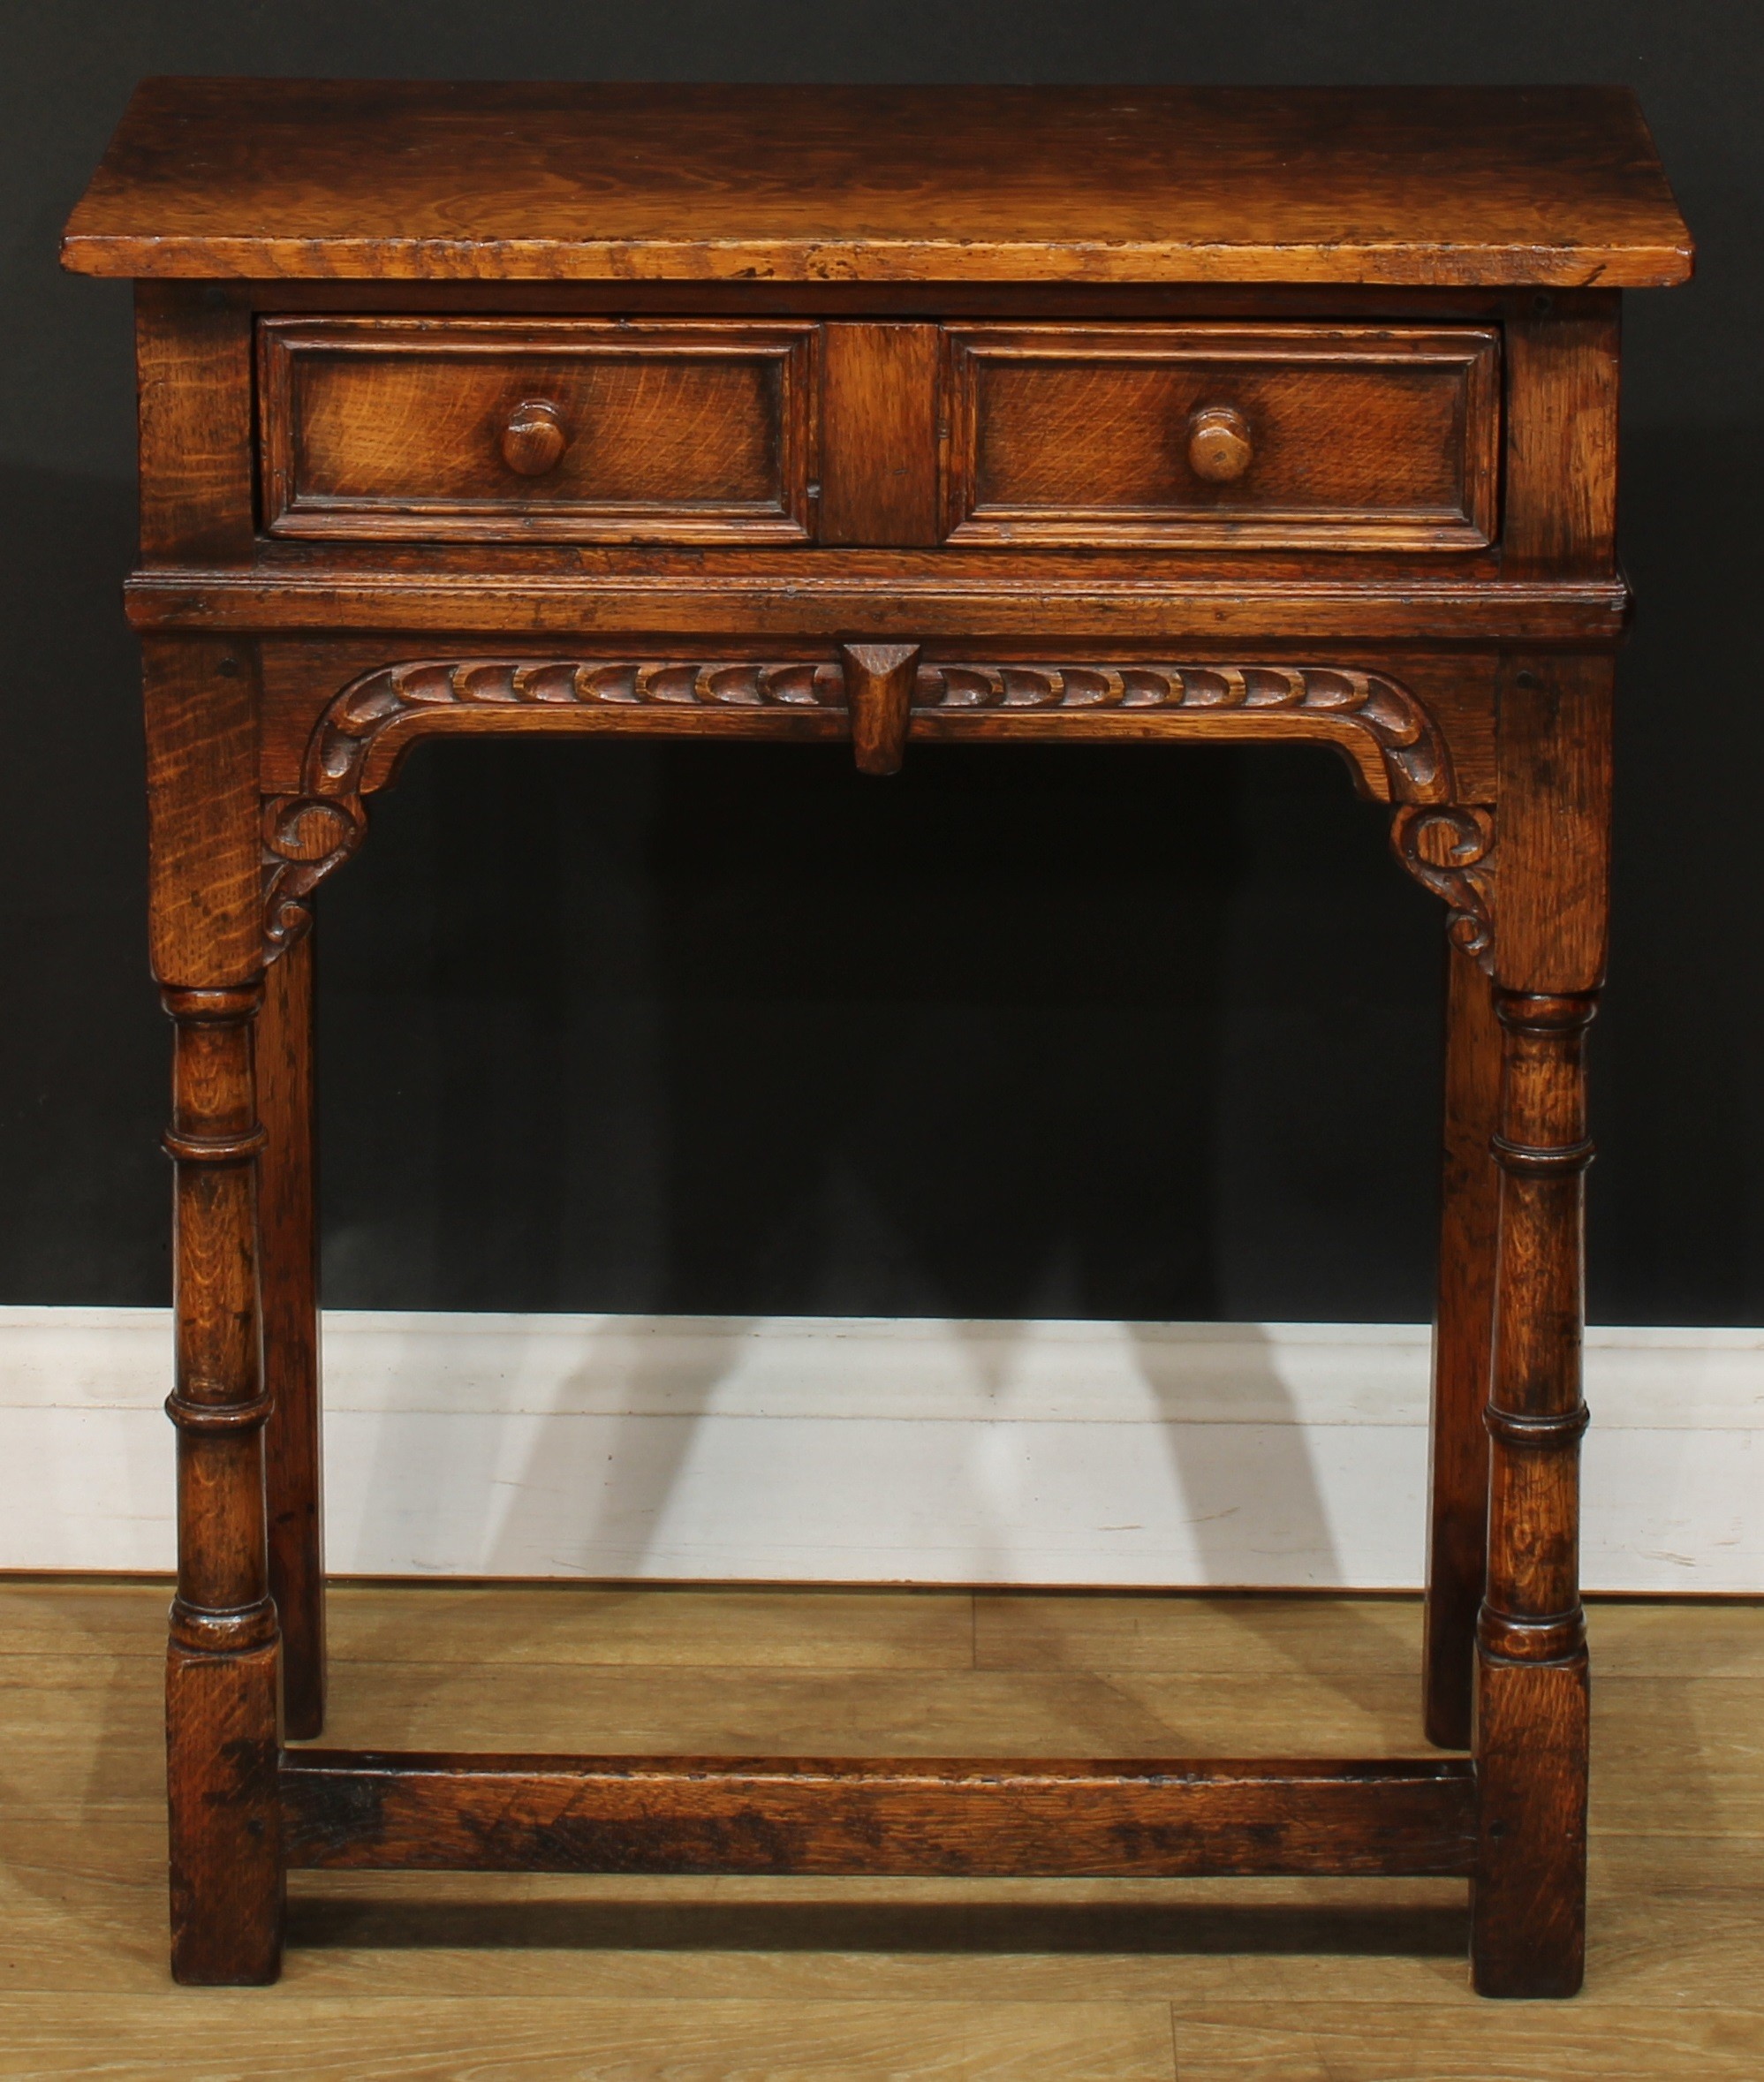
(414,1976)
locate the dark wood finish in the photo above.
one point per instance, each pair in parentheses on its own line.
(883,415)
(205,857)
(192,375)
(903,600)
(1331,437)
(879,406)
(1291,1978)
(221,1724)
(1220,443)
(1528,1899)
(1562,442)
(1390,737)
(1457,1478)
(1558,186)
(221,1676)
(288,1218)
(880,680)
(534,438)
(1109,303)
(934,1817)
(576,429)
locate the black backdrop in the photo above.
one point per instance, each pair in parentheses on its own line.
(1149,1033)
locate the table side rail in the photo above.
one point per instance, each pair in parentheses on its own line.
(930,1817)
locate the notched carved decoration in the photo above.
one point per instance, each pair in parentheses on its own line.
(396,693)
(1446,847)
(1414,755)
(305,837)
(308,835)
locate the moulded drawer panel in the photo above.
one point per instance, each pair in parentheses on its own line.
(1348,437)
(573,430)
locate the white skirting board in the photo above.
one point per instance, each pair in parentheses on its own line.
(833,1450)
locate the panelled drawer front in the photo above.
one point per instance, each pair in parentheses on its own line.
(568,430)
(1270,436)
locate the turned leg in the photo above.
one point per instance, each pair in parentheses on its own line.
(288,1218)
(1532,1689)
(1529,1893)
(1459,1478)
(205,924)
(222,1735)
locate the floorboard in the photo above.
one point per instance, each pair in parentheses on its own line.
(489,1977)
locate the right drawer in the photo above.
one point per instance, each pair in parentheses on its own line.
(1188,436)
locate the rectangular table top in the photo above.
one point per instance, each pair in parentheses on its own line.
(410,180)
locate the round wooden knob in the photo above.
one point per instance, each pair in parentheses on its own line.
(1219,445)
(534,438)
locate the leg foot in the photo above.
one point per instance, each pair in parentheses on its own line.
(1528,1901)
(227,1882)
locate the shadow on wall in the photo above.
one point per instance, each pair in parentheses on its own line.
(772,1039)
(745,1035)
(665,1447)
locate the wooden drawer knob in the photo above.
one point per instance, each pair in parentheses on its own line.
(1219,445)
(534,438)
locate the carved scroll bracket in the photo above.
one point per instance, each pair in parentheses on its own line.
(304,839)
(356,742)
(1395,746)
(1447,848)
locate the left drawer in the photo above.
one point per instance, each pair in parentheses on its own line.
(578,430)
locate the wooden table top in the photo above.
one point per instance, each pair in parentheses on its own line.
(1474,186)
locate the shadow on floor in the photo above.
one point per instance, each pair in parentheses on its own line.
(1115,1926)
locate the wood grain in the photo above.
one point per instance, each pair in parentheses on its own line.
(1555,757)
(1323,2042)
(880,691)
(1528,1897)
(1394,723)
(1562,441)
(193,375)
(385,429)
(1408,185)
(810,1627)
(689,1629)
(591,506)
(1531,1686)
(1394,747)
(223,1680)
(1458,1486)
(928,1817)
(878,405)
(630,1710)
(288,1218)
(204,866)
(904,599)
(1257,1636)
(881,1977)
(435,2039)
(1363,438)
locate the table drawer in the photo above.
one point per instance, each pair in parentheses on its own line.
(564,429)
(1269,436)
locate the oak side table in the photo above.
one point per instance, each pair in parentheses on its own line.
(899,415)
